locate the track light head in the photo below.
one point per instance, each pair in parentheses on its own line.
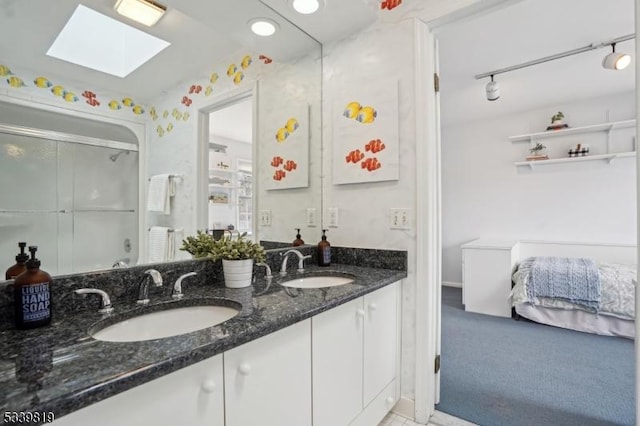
(616,61)
(493,90)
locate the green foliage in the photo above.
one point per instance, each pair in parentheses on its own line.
(539,147)
(558,117)
(203,245)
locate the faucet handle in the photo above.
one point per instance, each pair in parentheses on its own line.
(105,304)
(177,287)
(268,270)
(156,276)
(301,262)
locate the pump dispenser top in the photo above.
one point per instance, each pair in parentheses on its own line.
(324,250)
(32,295)
(298,241)
(20,265)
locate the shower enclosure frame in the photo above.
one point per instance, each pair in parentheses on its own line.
(137,125)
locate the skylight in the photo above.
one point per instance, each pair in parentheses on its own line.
(96,41)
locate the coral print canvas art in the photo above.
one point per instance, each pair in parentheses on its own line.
(286,149)
(365,134)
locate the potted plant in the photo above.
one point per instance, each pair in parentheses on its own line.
(557,118)
(237,255)
(537,149)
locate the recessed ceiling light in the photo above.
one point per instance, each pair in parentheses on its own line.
(147,12)
(305,7)
(263,26)
(96,41)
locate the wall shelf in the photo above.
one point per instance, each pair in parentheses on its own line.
(604,127)
(609,158)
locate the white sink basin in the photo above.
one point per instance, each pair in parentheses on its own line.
(172,322)
(318,282)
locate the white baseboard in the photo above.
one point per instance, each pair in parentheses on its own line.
(451,284)
(405,407)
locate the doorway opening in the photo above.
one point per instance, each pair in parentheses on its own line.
(230,188)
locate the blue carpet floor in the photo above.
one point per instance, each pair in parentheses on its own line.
(498,371)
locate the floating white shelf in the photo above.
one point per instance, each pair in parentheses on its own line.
(604,127)
(605,157)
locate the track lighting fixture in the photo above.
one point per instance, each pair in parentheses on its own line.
(616,61)
(493,90)
(613,61)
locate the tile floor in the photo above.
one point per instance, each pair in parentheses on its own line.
(438,419)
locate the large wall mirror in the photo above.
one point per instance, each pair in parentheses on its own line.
(160,119)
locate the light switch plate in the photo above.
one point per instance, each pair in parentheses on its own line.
(333,217)
(311,216)
(265,217)
(399,219)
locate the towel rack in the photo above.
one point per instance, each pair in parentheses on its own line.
(176,176)
(168,230)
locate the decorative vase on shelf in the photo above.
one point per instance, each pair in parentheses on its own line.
(237,273)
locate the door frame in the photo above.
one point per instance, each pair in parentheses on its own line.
(428,214)
(202,153)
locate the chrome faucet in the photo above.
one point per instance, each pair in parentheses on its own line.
(121,263)
(143,285)
(268,270)
(301,258)
(177,287)
(105,303)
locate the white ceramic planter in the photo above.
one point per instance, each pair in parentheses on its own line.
(237,273)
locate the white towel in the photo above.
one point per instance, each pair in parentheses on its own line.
(178,236)
(160,192)
(160,244)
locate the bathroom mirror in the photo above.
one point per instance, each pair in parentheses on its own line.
(212,56)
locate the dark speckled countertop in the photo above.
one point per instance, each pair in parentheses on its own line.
(60,368)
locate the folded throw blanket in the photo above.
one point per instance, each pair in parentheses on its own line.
(575,280)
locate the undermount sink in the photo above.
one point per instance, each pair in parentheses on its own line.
(167,323)
(319,281)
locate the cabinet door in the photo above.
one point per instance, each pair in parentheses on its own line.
(337,339)
(380,334)
(191,396)
(268,380)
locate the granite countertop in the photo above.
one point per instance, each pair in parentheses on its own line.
(60,368)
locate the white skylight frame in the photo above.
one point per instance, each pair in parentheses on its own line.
(96,41)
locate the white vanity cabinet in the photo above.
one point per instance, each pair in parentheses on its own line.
(337,368)
(191,396)
(355,353)
(268,380)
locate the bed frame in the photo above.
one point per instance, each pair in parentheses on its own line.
(601,253)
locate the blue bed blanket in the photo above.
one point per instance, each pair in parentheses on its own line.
(575,280)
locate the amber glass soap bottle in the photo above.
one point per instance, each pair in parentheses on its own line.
(324,250)
(32,295)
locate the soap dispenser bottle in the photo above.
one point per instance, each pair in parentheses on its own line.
(32,295)
(298,241)
(20,265)
(324,251)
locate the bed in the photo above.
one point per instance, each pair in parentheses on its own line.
(600,297)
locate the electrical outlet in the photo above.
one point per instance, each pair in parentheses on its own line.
(333,217)
(265,217)
(311,217)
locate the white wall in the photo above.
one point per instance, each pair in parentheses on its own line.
(381,53)
(176,151)
(485,195)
